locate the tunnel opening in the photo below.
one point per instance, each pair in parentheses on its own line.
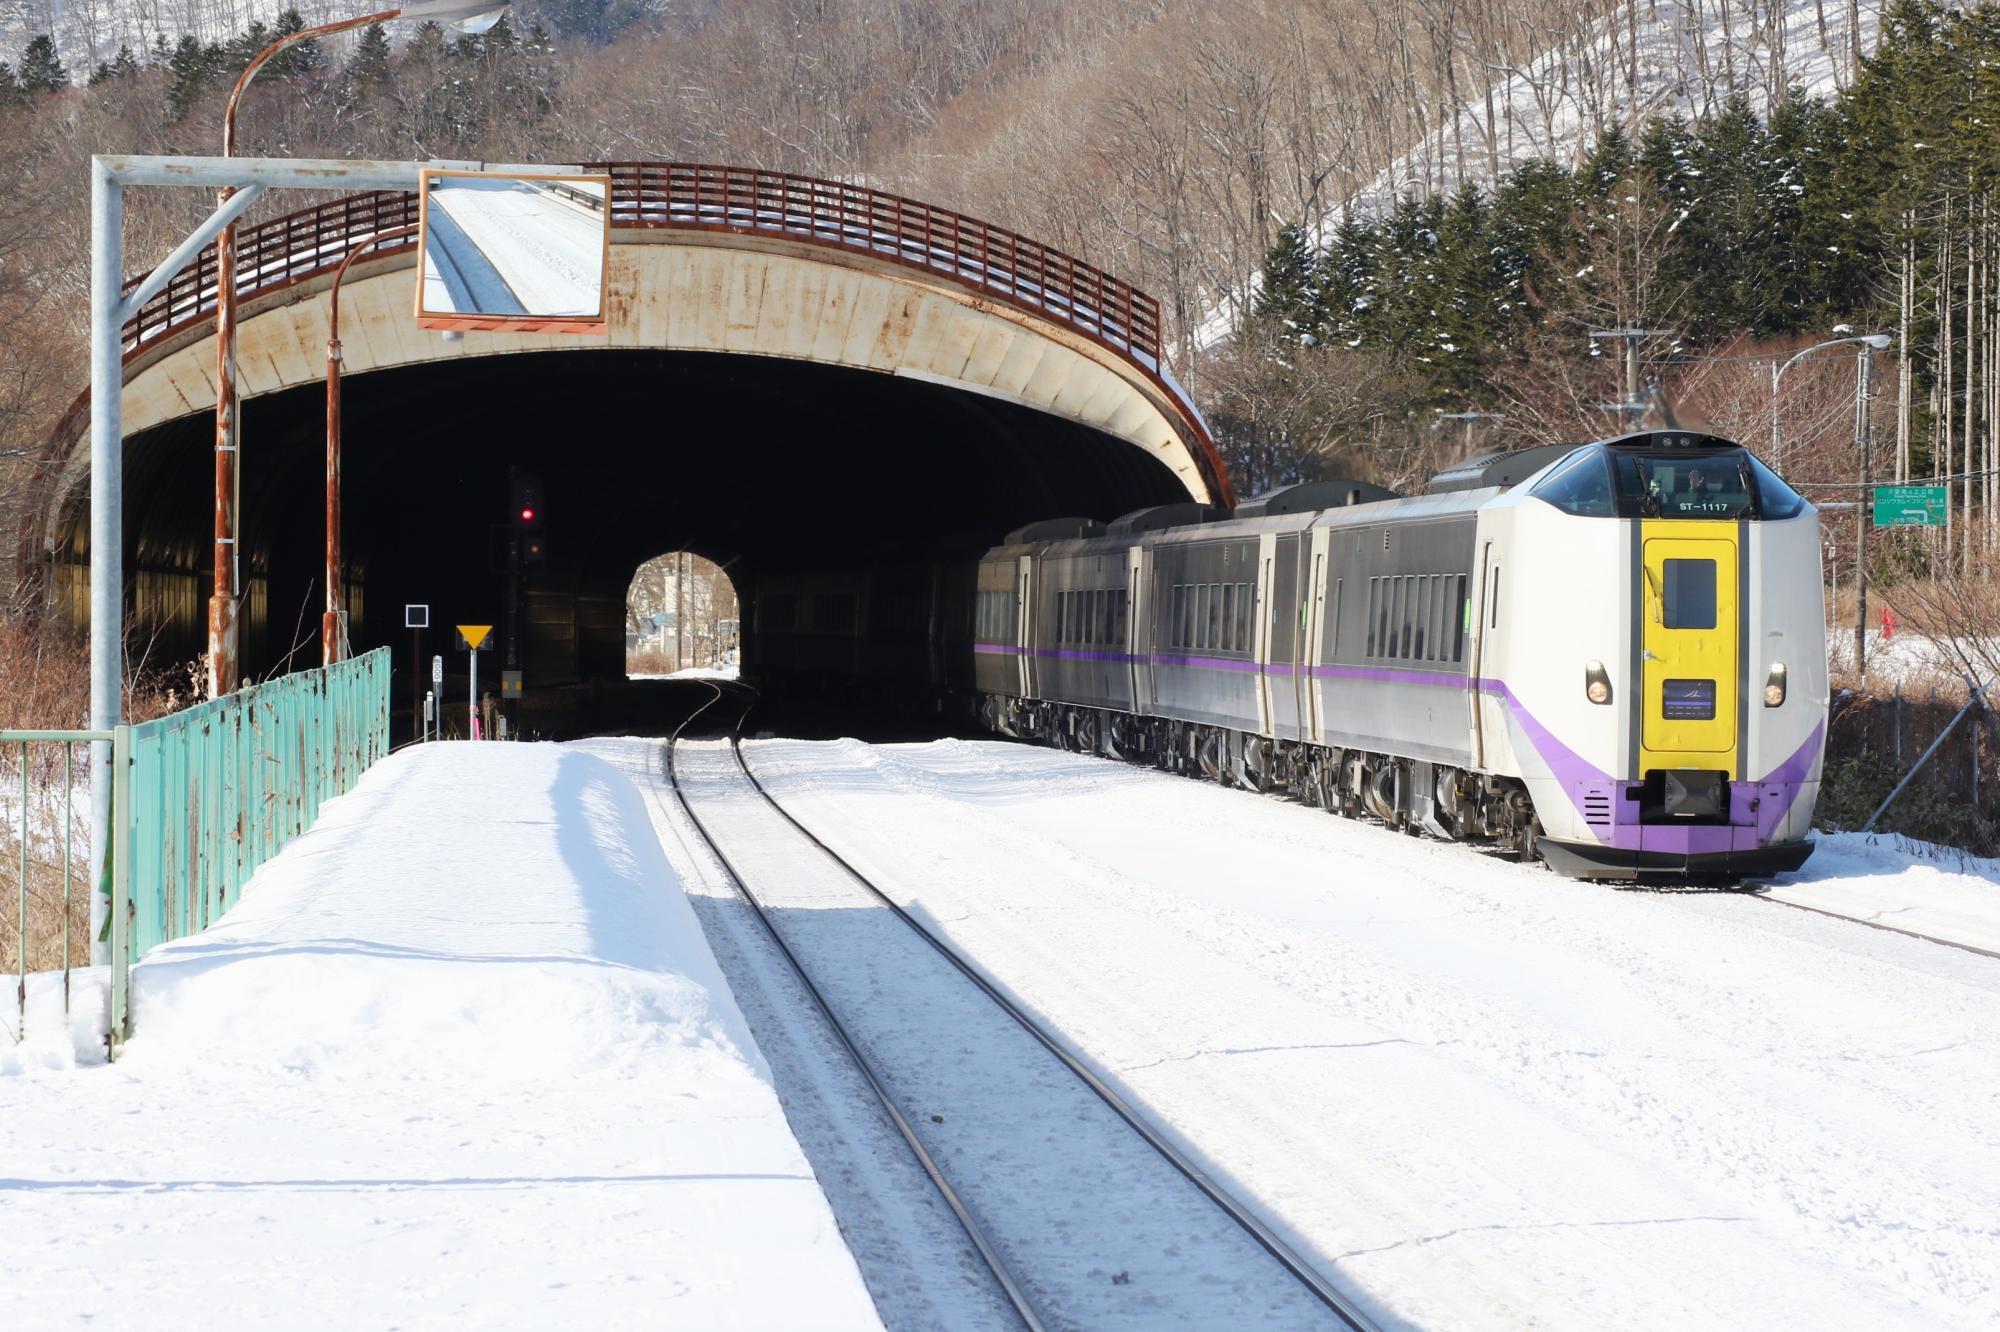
(682,619)
(834,487)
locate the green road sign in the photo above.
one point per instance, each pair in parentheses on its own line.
(1910,506)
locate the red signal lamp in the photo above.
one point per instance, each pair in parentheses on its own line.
(527,514)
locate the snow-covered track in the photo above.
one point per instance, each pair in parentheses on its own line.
(988,1253)
(1242,1221)
(1764,896)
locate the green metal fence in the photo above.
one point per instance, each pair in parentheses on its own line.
(203,797)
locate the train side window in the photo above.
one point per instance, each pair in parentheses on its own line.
(1393,649)
(1229,617)
(1421,646)
(1374,604)
(1215,616)
(1440,622)
(1689,594)
(1244,593)
(1120,615)
(1406,596)
(1106,609)
(1178,604)
(1188,608)
(1493,580)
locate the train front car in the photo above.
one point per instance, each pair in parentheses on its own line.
(1655,658)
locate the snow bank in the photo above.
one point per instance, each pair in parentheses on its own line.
(1888,879)
(55,1039)
(461,1056)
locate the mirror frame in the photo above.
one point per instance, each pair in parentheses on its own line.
(443,319)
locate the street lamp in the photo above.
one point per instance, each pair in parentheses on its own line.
(333,624)
(469,16)
(1868,341)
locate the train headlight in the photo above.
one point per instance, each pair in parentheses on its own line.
(1596,684)
(1774,685)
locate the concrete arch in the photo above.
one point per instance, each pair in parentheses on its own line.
(711,291)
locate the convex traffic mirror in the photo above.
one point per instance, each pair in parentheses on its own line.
(513,252)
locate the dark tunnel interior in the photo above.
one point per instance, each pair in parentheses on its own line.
(770,467)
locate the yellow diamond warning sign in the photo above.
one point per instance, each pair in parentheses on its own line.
(474,634)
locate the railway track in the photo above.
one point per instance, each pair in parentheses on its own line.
(1872,924)
(1005,1231)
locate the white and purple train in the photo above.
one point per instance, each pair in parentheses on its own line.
(1609,656)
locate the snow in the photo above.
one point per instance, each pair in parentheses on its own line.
(460,1057)
(728,672)
(463,1056)
(1886,879)
(1553,108)
(1478,1095)
(1097,1225)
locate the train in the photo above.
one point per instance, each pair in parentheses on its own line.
(1609,657)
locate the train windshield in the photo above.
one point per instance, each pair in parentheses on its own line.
(1725,484)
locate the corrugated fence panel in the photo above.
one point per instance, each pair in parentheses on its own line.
(220,788)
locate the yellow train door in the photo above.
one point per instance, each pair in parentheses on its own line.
(1690,655)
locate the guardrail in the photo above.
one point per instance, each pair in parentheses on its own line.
(200,799)
(697,196)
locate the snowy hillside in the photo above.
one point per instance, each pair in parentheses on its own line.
(89,31)
(1640,61)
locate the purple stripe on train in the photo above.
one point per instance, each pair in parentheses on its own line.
(1756,809)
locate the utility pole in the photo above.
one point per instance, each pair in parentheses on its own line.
(1470,417)
(1631,408)
(1864,438)
(680,604)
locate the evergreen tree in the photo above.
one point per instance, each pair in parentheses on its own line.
(122,65)
(189,69)
(1347,289)
(11,94)
(41,67)
(1285,297)
(427,45)
(301,57)
(370,63)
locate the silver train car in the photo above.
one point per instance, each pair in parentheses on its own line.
(1608,656)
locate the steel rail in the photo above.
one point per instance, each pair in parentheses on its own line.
(1289,1258)
(1017,1296)
(1873,925)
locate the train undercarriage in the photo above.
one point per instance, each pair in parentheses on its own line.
(1409,795)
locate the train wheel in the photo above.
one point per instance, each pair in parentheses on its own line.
(1531,841)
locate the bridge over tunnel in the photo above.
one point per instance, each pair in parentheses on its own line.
(800,382)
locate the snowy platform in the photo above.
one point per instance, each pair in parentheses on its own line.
(461,1057)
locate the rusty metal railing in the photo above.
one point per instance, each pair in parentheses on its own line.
(992,260)
(963,249)
(270,256)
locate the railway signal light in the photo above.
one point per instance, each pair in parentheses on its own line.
(527,500)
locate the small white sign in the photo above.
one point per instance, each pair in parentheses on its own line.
(416,617)
(437,670)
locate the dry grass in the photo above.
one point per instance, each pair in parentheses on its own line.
(46,674)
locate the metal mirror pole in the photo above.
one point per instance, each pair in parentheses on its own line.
(107,509)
